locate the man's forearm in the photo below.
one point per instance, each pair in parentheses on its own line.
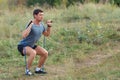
(27,31)
(48,31)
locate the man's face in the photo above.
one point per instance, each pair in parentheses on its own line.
(39,16)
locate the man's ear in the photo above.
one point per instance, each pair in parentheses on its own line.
(33,16)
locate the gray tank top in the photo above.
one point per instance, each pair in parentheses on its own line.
(34,35)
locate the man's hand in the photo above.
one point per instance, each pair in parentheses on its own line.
(49,23)
(26,32)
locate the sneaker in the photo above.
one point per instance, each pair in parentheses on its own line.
(29,73)
(40,72)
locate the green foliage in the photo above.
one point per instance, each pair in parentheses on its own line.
(34,2)
(11,4)
(66,3)
(42,2)
(53,2)
(117,2)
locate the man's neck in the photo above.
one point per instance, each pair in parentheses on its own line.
(36,22)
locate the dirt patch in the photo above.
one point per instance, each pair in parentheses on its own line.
(98,57)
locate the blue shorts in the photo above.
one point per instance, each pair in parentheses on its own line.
(21,47)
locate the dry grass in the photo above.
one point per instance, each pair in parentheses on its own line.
(68,58)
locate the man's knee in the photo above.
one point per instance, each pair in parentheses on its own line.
(46,54)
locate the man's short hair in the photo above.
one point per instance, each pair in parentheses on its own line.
(36,11)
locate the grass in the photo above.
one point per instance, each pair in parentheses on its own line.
(84,43)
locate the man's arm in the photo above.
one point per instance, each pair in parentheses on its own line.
(26,32)
(47,32)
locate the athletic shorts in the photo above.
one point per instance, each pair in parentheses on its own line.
(21,47)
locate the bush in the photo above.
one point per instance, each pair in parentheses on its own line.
(52,3)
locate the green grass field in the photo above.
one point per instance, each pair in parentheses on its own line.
(84,43)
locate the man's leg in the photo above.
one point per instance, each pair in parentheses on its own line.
(31,55)
(43,55)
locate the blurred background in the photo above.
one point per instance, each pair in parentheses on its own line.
(83,45)
(52,3)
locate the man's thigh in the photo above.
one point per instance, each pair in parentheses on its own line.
(40,51)
(29,50)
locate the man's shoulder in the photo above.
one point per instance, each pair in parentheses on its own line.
(42,23)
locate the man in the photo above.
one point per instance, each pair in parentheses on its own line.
(31,35)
